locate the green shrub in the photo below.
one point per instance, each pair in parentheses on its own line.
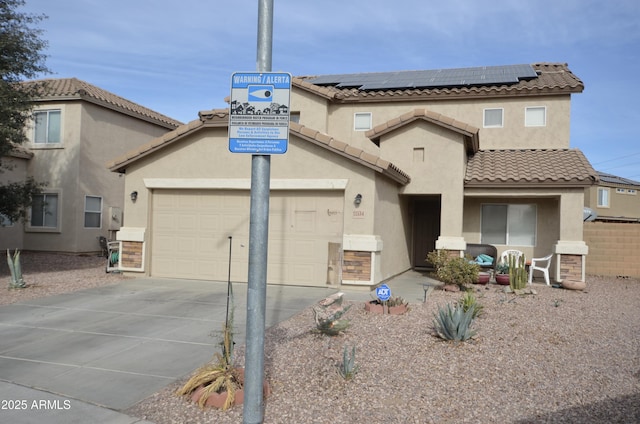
(450,270)
(453,323)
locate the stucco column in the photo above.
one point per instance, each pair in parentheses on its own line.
(451,215)
(571,250)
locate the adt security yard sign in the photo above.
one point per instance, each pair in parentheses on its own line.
(259,112)
(383,292)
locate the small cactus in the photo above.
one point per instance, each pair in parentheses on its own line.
(348,367)
(517,272)
(16,282)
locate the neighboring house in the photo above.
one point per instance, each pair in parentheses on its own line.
(76,128)
(14,171)
(614,199)
(381,168)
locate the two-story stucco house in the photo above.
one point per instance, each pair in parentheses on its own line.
(614,199)
(76,128)
(381,168)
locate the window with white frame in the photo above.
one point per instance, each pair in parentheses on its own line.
(92,212)
(362,121)
(513,225)
(493,118)
(47,127)
(603,197)
(631,191)
(621,191)
(44,211)
(535,116)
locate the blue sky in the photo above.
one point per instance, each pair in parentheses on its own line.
(177,57)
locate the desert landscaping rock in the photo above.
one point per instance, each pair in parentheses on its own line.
(557,356)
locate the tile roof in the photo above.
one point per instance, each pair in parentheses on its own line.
(219,118)
(553,78)
(72,89)
(529,168)
(468,131)
(615,180)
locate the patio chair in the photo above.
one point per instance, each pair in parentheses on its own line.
(504,257)
(540,264)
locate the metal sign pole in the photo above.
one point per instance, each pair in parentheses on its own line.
(253,409)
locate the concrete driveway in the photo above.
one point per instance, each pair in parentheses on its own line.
(94,352)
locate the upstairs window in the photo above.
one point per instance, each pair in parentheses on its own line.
(535,116)
(92,212)
(493,118)
(47,127)
(509,224)
(362,121)
(603,197)
(44,211)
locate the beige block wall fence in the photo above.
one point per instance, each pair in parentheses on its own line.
(614,249)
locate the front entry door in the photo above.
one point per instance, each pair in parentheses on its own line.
(426,229)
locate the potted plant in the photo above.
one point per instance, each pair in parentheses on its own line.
(483,278)
(394,306)
(502,273)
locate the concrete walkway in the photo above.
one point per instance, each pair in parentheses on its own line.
(81,357)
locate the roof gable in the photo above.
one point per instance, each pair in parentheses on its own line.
(550,79)
(523,168)
(60,89)
(469,132)
(219,118)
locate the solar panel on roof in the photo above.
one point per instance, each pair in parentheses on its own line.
(508,74)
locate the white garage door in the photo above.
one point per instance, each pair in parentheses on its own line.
(191,229)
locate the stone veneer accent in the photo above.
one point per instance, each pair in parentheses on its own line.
(131,254)
(571,267)
(356,265)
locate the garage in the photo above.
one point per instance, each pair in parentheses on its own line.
(191,230)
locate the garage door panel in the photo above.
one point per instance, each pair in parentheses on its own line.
(305,222)
(190,232)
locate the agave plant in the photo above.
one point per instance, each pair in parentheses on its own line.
(16,282)
(454,323)
(348,367)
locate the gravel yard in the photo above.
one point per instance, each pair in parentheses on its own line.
(48,274)
(558,356)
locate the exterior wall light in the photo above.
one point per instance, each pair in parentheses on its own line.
(134,196)
(358,199)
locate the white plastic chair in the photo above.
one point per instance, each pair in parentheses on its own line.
(504,257)
(541,264)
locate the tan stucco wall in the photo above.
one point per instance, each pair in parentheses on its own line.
(13,170)
(314,110)
(91,136)
(513,134)
(204,156)
(440,171)
(620,204)
(393,225)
